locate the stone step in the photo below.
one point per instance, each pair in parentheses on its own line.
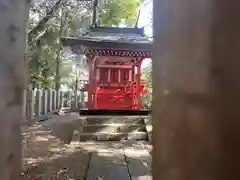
(114,128)
(117,136)
(111,120)
(148,125)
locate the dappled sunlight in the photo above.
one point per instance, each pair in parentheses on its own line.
(39,138)
(107,146)
(136,152)
(111,159)
(142,177)
(50,158)
(46,156)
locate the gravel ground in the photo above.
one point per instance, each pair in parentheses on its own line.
(48,157)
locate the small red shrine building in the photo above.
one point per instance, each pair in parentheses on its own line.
(114,58)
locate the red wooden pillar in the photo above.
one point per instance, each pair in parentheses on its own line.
(138,80)
(97,81)
(89,85)
(94,83)
(133,83)
(91,82)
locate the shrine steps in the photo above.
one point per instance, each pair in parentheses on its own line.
(110,136)
(124,128)
(117,128)
(114,112)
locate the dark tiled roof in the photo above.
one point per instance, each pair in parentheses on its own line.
(110,37)
(139,31)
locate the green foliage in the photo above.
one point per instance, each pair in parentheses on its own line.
(65,68)
(44,47)
(147,76)
(67,75)
(114,11)
(42,59)
(50,19)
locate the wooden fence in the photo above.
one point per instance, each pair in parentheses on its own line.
(42,102)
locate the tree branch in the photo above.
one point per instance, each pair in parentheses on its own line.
(40,26)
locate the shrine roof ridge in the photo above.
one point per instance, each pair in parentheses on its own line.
(139,31)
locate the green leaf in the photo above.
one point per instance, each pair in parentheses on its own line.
(115,11)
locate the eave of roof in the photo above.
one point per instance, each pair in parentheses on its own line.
(111,38)
(107,44)
(139,31)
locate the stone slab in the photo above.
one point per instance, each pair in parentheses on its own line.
(113,136)
(148,123)
(114,128)
(139,163)
(108,165)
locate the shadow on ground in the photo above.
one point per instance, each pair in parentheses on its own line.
(48,153)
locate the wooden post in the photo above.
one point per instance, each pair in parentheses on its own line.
(69,99)
(90,81)
(58,100)
(138,81)
(45,102)
(49,101)
(54,107)
(61,99)
(12,44)
(30,109)
(32,103)
(38,107)
(196,90)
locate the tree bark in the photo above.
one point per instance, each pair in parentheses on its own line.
(12,75)
(196,98)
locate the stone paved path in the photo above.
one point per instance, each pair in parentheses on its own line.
(49,152)
(129,160)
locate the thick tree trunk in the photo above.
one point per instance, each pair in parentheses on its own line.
(12,73)
(196,98)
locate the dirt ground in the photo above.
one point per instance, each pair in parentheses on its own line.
(48,153)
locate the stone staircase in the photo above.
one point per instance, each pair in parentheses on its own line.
(103,128)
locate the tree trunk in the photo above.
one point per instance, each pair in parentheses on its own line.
(196,98)
(58,58)
(94,20)
(12,75)
(26,103)
(41,25)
